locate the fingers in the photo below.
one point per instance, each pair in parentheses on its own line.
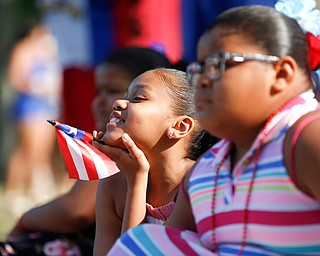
(129,160)
(98,135)
(134,151)
(98,138)
(114,153)
(137,163)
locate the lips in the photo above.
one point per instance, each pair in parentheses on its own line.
(116,118)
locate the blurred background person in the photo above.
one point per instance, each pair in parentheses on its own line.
(34,73)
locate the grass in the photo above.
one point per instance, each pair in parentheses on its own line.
(8,219)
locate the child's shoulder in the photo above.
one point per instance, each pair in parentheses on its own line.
(114,185)
(204,163)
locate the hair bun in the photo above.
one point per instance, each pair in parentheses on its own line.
(314,50)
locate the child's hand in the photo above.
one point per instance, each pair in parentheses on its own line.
(132,161)
(138,163)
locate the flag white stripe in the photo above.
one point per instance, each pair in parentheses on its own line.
(76,155)
(102,170)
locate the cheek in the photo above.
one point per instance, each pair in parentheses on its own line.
(94,105)
(147,129)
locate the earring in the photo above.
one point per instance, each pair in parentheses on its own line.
(171,135)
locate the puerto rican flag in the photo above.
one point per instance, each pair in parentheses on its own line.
(84,161)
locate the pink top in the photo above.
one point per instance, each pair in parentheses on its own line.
(159,214)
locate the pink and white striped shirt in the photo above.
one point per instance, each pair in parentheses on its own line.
(282,219)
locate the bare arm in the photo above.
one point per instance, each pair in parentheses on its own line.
(135,166)
(109,209)
(136,169)
(182,216)
(19,64)
(306,157)
(68,213)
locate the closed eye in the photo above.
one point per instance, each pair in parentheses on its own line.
(135,99)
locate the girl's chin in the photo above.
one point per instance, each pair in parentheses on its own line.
(114,140)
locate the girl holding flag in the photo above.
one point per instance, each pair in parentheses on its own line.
(154,138)
(70,218)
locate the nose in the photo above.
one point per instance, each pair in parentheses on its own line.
(203,81)
(119,104)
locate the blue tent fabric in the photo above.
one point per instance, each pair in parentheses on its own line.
(102,29)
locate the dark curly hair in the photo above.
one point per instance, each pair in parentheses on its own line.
(136,60)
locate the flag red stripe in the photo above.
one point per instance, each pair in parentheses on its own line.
(83,160)
(87,137)
(110,164)
(73,173)
(88,163)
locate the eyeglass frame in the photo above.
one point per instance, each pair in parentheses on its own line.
(224,57)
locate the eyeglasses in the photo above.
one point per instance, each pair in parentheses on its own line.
(216,63)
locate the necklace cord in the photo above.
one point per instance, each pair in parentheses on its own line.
(245,210)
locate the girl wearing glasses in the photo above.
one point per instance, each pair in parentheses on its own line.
(257,191)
